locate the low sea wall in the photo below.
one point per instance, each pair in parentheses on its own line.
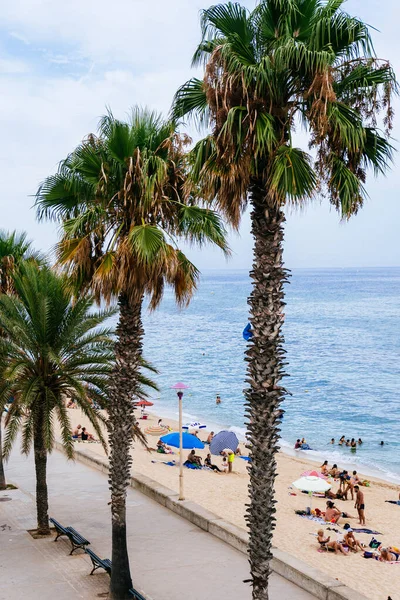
(314,581)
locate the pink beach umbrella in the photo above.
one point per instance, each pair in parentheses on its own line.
(313,474)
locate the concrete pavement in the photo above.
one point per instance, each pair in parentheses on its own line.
(171,559)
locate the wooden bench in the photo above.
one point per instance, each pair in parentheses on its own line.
(76,539)
(135,594)
(98,563)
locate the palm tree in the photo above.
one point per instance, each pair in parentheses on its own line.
(15,249)
(52,350)
(286,64)
(123,198)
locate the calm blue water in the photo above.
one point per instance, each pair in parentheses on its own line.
(342,335)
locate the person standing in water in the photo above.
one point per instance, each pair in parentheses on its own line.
(218,399)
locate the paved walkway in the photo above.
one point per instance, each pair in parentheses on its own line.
(171,559)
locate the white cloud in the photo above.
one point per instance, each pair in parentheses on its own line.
(139,52)
(10,65)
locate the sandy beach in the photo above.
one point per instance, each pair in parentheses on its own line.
(226,495)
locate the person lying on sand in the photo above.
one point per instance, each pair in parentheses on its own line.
(328,544)
(352,543)
(389,555)
(334,496)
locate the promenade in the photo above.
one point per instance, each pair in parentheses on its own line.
(171,559)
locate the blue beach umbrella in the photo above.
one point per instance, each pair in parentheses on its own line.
(224,439)
(189,441)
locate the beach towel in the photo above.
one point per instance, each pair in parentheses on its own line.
(393,502)
(248,458)
(371,531)
(316,519)
(162,462)
(191,466)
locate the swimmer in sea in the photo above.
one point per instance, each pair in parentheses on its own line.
(218,399)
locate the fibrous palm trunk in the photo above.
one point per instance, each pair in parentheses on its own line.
(124,389)
(42,502)
(3,483)
(265,370)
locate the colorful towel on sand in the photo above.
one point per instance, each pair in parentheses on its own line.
(248,458)
(162,462)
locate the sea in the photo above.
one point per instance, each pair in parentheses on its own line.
(342,337)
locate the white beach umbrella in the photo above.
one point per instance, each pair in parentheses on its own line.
(312,484)
(195,425)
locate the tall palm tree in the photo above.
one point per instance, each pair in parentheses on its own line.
(52,350)
(124,200)
(286,64)
(15,249)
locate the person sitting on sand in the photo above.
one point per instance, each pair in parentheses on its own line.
(334,472)
(389,555)
(192,458)
(210,437)
(324,468)
(238,451)
(332,514)
(331,546)
(208,463)
(77,433)
(351,542)
(86,436)
(303,441)
(297,444)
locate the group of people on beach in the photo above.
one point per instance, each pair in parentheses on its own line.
(347,484)
(228,456)
(81,433)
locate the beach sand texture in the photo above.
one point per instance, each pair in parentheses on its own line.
(226,496)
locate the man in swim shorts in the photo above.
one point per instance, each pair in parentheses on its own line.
(359,505)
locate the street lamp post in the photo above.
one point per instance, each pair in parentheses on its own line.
(179,387)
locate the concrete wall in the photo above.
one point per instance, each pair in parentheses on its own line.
(314,581)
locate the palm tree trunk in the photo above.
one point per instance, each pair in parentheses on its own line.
(42,502)
(124,389)
(265,357)
(3,483)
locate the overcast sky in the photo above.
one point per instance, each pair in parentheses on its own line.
(62,63)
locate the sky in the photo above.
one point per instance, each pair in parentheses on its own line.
(63,63)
